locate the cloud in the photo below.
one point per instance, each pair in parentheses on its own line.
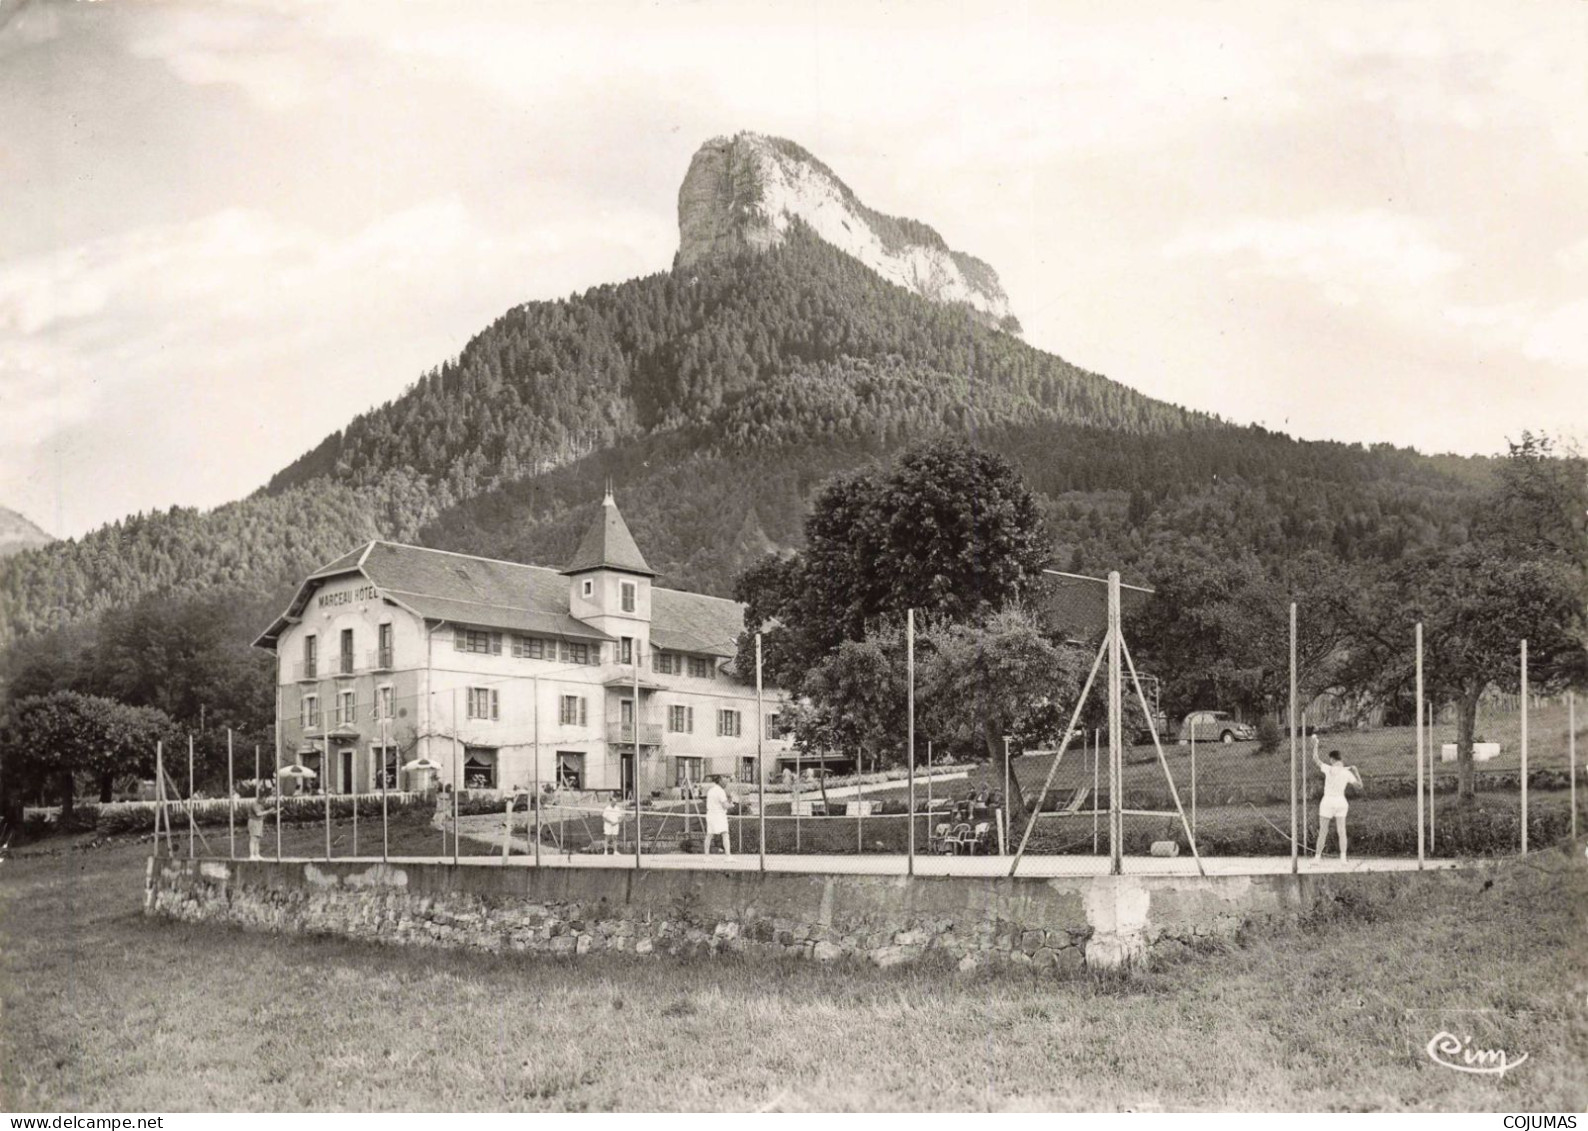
(155,342)
(1342,253)
(277,56)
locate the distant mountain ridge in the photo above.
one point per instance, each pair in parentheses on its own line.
(18,533)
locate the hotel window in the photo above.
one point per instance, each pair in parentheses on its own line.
(383,646)
(571,711)
(681,720)
(728,724)
(309,712)
(383,702)
(667,663)
(701,667)
(483,703)
(578,654)
(747,769)
(529,648)
(689,772)
(479,767)
(626,595)
(473,640)
(346,707)
(774,726)
(347,651)
(626,650)
(570,769)
(311,653)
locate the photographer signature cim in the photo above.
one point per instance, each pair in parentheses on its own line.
(1449,1051)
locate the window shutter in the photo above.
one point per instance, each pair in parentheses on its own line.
(584,718)
(496,706)
(719,724)
(689,720)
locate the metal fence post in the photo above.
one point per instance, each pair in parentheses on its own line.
(1571,755)
(1421,849)
(1295,844)
(1116,769)
(1524,748)
(909,758)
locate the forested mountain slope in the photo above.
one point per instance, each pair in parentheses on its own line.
(797,344)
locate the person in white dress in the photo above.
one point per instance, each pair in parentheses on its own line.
(1335,778)
(717,816)
(611,825)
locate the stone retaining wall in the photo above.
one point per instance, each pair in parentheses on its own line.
(1058,923)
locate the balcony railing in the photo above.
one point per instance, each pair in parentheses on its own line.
(378,659)
(345,665)
(305,670)
(650,733)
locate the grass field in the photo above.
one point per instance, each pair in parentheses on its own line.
(104,1009)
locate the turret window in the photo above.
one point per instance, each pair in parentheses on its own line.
(587,588)
(626,595)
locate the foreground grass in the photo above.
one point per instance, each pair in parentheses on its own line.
(104,1009)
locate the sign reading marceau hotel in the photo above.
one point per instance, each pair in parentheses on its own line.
(349,596)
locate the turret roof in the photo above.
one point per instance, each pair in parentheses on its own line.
(607,544)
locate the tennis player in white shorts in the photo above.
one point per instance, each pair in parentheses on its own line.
(1335,778)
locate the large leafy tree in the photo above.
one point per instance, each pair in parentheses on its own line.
(948,530)
(47,740)
(857,700)
(1476,604)
(1217,629)
(1001,677)
(1525,577)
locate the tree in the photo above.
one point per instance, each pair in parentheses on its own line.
(1477,604)
(858,701)
(46,740)
(948,530)
(1544,501)
(982,682)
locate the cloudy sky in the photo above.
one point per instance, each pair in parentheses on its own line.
(227,226)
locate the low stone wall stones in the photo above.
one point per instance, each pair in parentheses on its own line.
(1045,923)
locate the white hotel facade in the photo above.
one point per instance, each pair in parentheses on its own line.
(505,675)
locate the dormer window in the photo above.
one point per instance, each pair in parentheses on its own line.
(587,588)
(626,595)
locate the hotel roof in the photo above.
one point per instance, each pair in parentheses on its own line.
(487,593)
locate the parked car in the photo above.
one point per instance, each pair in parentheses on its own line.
(1215,726)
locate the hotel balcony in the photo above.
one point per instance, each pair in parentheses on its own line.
(305,671)
(623,733)
(378,660)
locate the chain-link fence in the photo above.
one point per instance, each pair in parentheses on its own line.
(563,765)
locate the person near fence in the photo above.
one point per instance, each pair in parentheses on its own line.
(256,825)
(717,816)
(1334,805)
(611,824)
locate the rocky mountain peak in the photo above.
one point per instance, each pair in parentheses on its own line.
(743,193)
